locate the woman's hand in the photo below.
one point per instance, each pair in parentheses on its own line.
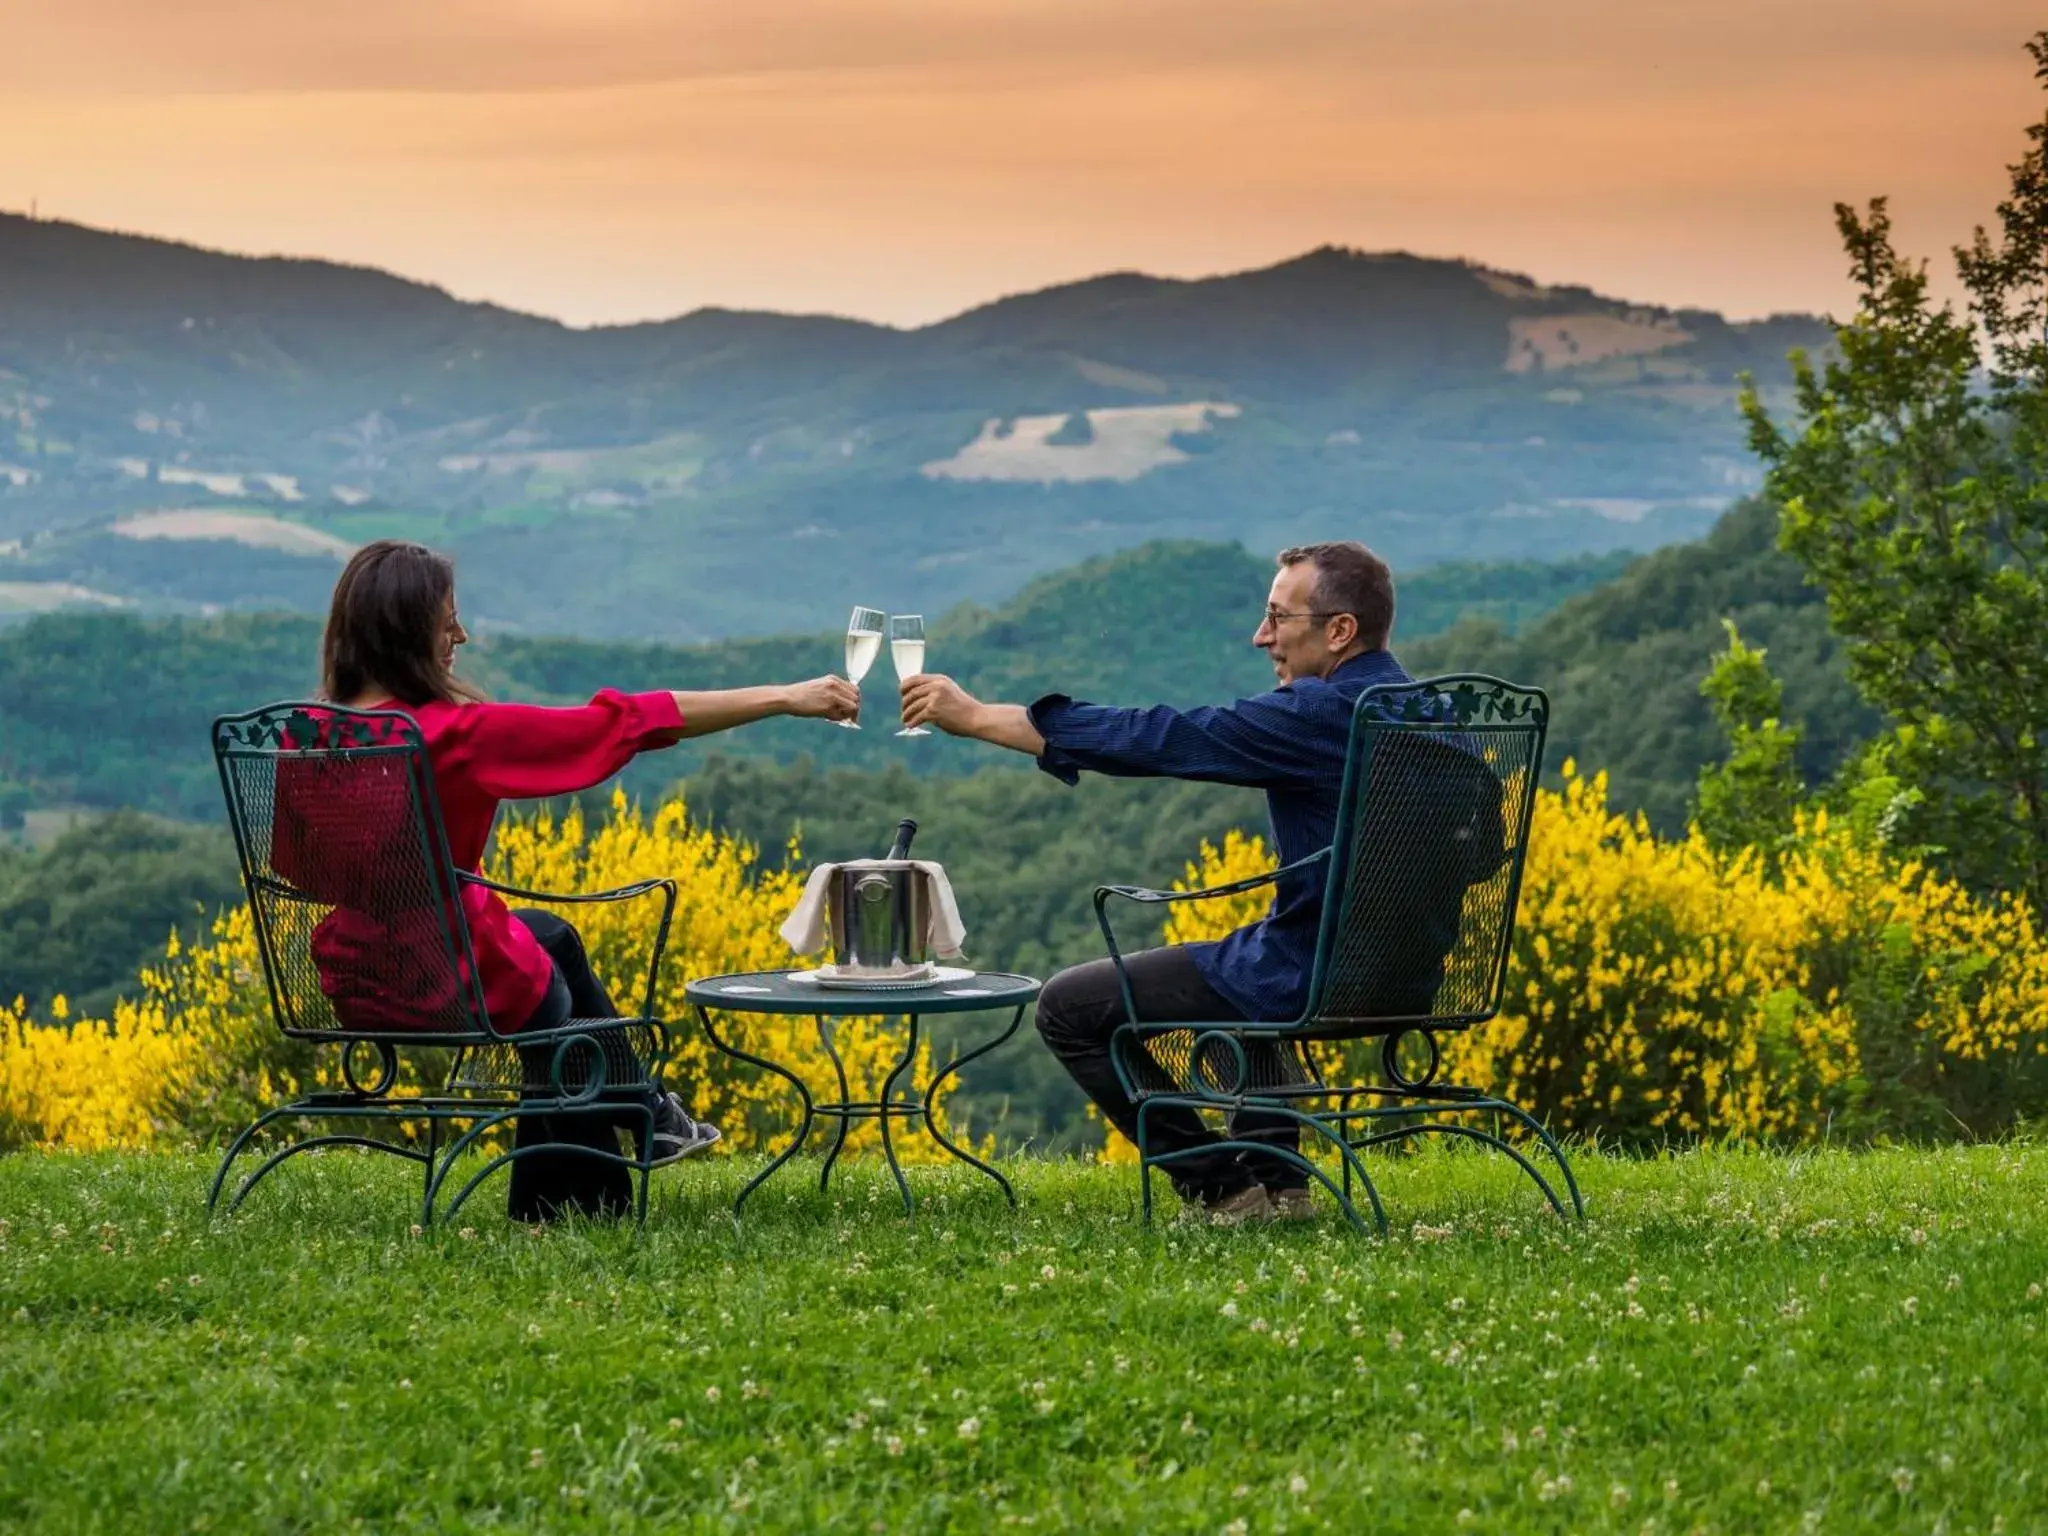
(824,698)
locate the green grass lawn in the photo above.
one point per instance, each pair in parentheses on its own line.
(1731,1342)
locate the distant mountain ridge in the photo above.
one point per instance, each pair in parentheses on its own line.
(633,480)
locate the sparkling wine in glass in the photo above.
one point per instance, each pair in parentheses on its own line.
(906,650)
(863,645)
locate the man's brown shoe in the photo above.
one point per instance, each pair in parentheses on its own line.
(1291,1204)
(1248,1205)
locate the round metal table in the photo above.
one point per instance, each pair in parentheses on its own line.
(775,992)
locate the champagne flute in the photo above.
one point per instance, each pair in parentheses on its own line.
(906,650)
(863,645)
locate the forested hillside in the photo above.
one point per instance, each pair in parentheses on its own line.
(111,709)
(1623,663)
(80,916)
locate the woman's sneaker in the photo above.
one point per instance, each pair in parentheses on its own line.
(676,1135)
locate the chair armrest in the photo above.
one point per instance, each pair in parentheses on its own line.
(666,886)
(1140,894)
(1250,882)
(622,893)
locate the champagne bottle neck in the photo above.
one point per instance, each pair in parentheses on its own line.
(906,829)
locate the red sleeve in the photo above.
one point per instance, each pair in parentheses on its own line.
(520,751)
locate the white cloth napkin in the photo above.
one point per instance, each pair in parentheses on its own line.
(808,928)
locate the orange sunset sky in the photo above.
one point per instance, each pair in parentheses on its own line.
(606,160)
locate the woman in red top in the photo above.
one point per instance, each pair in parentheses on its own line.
(390,642)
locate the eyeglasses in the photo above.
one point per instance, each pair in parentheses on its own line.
(1275,616)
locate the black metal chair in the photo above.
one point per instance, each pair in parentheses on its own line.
(1418,917)
(341,842)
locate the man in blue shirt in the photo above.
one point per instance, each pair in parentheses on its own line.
(1327,621)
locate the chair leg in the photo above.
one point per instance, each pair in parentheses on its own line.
(1344,1104)
(1353,1168)
(506,1159)
(1144,1170)
(646,1167)
(1427,1103)
(456,1148)
(234,1151)
(1550,1143)
(1334,1135)
(427,1194)
(1466,1133)
(310,1144)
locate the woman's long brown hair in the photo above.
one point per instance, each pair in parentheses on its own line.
(385,627)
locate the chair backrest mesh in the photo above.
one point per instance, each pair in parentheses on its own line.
(1439,792)
(356,905)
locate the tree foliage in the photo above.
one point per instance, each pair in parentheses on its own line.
(1750,800)
(83,915)
(1623,664)
(1913,493)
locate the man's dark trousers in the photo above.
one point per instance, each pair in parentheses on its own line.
(1079,1011)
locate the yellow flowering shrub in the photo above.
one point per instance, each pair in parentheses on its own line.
(193,1051)
(1658,988)
(197,1055)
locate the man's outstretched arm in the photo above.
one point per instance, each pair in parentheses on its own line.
(1259,743)
(936,700)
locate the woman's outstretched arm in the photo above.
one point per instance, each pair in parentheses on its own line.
(822,698)
(516,751)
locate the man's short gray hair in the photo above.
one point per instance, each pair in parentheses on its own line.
(1350,579)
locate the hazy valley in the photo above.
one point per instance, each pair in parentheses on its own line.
(186,431)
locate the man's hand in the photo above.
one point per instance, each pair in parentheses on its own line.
(824,698)
(932,698)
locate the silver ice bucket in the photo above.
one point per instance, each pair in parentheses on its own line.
(880,912)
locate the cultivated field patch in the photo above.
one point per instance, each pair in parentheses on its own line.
(1550,342)
(48,596)
(1124,442)
(240,527)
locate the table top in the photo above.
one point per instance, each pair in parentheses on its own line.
(774,992)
